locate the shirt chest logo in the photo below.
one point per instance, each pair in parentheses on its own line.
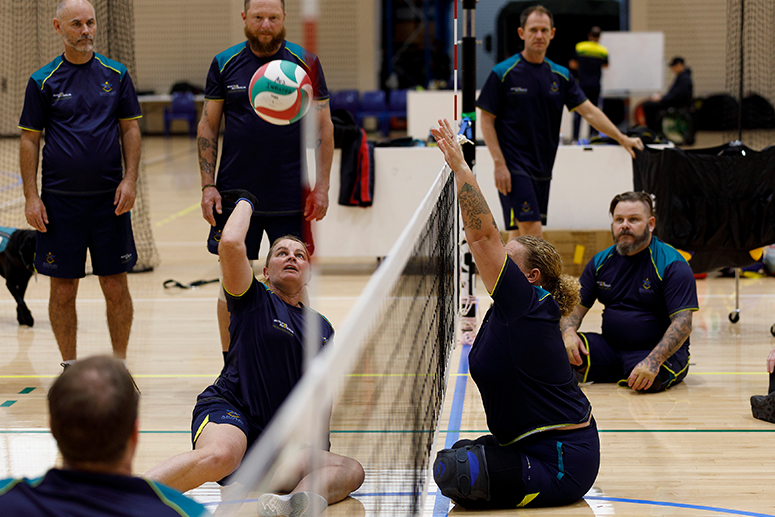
(554,87)
(57,97)
(603,285)
(107,89)
(281,325)
(233,88)
(518,90)
(647,284)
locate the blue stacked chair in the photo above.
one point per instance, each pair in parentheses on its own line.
(183,107)
(346,99)
(397,103)
(374,104)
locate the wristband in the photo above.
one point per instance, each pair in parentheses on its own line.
(248,201)
(208,185)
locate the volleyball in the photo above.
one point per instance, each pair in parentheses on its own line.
(280,92)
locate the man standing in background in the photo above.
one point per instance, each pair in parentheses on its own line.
(257,156)
(521,103)
(88,107)
(588,62)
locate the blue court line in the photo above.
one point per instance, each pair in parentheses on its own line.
(644,502)
(677,505)
(25,391)
(441,505)
(14,176)
(8,403)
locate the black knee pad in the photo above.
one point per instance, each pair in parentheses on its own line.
(461,474)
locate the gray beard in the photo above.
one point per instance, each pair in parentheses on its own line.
(626,248)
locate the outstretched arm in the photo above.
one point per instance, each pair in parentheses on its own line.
(599,121)
(237,274)
(484,239)
(569,326)
(643,375)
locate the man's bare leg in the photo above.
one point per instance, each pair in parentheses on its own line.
(527,228)
(120,311)
(61,312)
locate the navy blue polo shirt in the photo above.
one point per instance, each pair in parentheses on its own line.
(70,492)
(258,156)
(79,106)
(519,363)
(527,101)
(266,355)
(640,293)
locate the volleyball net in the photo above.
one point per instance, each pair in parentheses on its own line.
(384,373)
(750,73)
(28,42)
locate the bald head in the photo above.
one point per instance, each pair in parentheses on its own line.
(64,6)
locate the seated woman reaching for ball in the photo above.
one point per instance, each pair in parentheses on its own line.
(544,448)
(262,366)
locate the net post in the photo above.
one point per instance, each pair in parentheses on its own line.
(468,301)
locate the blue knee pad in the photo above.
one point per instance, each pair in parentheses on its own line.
(461,474)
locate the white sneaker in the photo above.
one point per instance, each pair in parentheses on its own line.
(299,504)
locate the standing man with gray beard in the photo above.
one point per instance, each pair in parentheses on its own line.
(88,108)
(649,293)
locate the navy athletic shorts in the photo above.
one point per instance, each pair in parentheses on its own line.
(220,411)
(608,364)
(79,222)
(551,468)
(274,226)
(526,202)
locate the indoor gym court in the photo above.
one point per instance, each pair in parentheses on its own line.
(692,450)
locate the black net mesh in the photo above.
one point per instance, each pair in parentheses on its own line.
(27,42)
(387,415)
(751,70)
(386,372)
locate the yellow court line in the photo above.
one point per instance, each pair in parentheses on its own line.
(178,215)
(139,376)
(212,375)
(690,373)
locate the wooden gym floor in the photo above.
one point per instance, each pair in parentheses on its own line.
(693,450)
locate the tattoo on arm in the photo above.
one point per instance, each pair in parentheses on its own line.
(321,105)
(675,336)
(572,322)
(207,150)
(472,205)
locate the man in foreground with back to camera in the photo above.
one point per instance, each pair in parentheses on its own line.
(649,294)
(93,410)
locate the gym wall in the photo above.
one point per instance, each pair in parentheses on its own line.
(177,39)
(695,30)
